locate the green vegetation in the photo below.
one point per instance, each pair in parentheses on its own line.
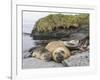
(52,21)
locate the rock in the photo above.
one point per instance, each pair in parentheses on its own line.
(81,59)
(49,35)
(37,63)
(64,34)
(78,36)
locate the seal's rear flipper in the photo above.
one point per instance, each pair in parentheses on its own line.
(28,55)
(31,49)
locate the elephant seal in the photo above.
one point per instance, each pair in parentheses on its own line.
(41,53)
(58,50)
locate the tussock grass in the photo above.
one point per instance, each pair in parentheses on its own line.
(53,21)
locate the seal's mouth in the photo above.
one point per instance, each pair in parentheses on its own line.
(59,59)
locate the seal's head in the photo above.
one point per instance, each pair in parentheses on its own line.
(45,55)
(60,54)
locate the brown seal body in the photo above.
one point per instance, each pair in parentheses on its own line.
(42,53)
(58,50)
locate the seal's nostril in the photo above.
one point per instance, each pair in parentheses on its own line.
(59,59)
(60,56)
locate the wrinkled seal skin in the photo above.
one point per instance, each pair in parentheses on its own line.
(58,50)
(41,53)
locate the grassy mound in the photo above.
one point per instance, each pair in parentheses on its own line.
(54,21)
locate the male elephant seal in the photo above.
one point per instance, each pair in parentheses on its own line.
(58,50)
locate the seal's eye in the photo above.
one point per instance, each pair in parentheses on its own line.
(62,52)
(56,53)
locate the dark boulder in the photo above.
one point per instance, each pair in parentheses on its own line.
(62,34)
